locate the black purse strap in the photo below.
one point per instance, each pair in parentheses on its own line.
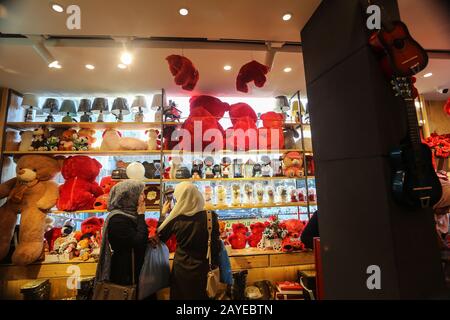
(209,226)
(133,278)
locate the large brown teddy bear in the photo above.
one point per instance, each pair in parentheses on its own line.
(32,194)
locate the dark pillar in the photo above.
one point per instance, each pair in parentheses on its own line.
(356,121)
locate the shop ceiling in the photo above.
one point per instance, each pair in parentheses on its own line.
(213,34)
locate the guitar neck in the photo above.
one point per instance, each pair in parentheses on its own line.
(413,124)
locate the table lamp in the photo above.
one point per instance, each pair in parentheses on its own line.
(100,107)
(29,102)
(85,108)
(157,104)
(282,105)
(120,108)
(68,109)
(50,107)
(139,106)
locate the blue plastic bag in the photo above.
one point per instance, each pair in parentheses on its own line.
(226,276)
(155,272)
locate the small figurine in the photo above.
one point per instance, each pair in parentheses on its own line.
(52,143)
(248,168)
(277,167)
(174,165)
(260,193)
(257,172)
(301,194)
(38,143)
(208,192)
(172,113)
(221,195)
(237,168)
(197,166)
(209,163)
(266,169)
(80,144)
(236,195)
(216,171)
(270,195)
(225,167)
(282,192)
(248,193)
(312,194)
(294,195)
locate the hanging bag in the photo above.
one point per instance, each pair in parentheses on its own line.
(213,277)
(155,272)
(110,291)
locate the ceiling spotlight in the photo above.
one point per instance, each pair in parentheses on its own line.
(287,69)
(56,7)
(427,75)
(227,68)
(126,58)
(121,66)
(287,16)
(90,67)
(183,11)
(55,65)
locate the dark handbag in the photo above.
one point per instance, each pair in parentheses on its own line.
(213,277)
(110,291)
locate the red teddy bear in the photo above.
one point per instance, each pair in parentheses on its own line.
(238,239)
(91,226)
(257,230)
(271,134)
(80,189)
(292,241)
(244,134)
(252,71)
(152,226)
(186,75)
(206,111)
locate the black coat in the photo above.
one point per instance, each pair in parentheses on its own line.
(190,266)
(125,234)
(310,231)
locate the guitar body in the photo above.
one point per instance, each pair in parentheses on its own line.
(414,183)
(404,55)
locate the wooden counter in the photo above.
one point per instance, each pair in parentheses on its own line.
(261,265)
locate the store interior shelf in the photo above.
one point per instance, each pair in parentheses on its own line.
(224,179)
(92,125)
(214,207)
(151,152)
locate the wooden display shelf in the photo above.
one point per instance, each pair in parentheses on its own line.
(222,179)
(92,125)
(215,207)
(150,152)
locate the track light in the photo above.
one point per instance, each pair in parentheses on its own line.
(39,47)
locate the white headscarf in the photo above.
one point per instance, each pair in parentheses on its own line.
(189,202)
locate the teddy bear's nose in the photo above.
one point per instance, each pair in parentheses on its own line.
(21,171)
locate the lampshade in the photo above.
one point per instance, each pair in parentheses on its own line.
(29,101)
(68,107)
(139,102)
(100,104)
(157,101)
(50,106)
(84,106)
(282,103)
(120,104)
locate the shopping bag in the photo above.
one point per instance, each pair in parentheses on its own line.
(226,276)
(155,272)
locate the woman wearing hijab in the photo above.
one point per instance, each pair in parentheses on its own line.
(187,220)
(124,233)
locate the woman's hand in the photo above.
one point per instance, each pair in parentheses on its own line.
(166,208)
(154,241)
(141,204)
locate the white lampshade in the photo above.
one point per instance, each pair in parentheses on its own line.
(29,101)
(139,102)
(157,101)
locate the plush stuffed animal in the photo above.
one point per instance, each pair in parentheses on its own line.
(113,140)
(292,242)
(101,202)
(244,134)
(186,75)
(153,142)
(252,71)
(26,138)
(290,134)
(80,189)
(238,239)
(33,194)
(88,134)
(91,226)
(66,140)
(205,111)
(81,143)
(292,164)
(257,230)
(107,183)
(270,136)
(40,136)
(172,244)
(51,236)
